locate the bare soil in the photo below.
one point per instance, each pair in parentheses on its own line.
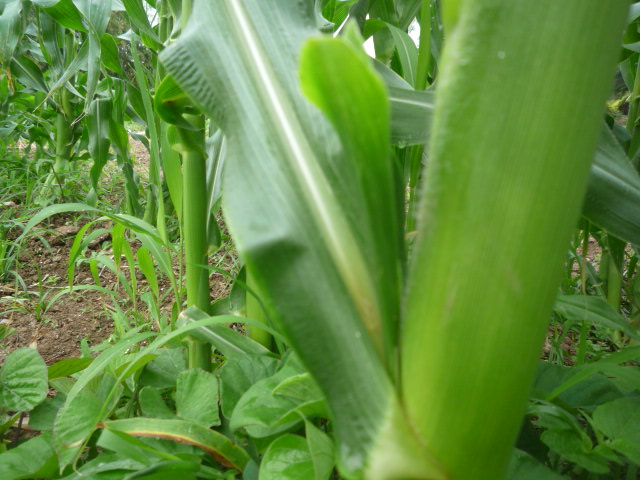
(57,329)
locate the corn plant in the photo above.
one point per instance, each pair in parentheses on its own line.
(426,374)
(403,223)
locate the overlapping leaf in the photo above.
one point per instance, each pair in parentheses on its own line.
(317,227)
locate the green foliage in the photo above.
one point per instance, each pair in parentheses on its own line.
(23,381)
(400,224)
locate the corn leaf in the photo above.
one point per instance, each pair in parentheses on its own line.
(613,194)
(98,121)
(613,191)
(64,12)
(10,29)
(320,232)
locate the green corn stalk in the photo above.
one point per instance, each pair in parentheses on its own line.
(516,124)
(194,217)
(255,311)
(433,387)
(63,137)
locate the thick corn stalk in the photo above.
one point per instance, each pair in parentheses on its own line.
(521,95)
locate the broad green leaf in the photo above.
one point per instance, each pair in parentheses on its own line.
(607,365)
(239,374)
(79,62)
(362,125)
(171,103)
(524,467)
(450,13)
(593,309)
(216,153)
(504,185)
(42,417)
(220,447)
(163,371)
(76,249)
(154,139)
(135,224)
(23,380)
(411,115)
(575,447)
(172,170)
(619,421)
(300,387)
(75,422)
(169,470)
(133,362)
(634,12)
(32,459)
(69,438)
(264,411)
(598,390)
(321,450)
(407,11)
(153,405)
(52,39)
(336,11)
(134,97)
(385,11)
(215,164)
(197,397)
(100,363)
(288,458)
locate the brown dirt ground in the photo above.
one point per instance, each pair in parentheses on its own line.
(57,332)
(82,315)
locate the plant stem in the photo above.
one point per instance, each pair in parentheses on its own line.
(414,155)
(424,51)
(614,272)
(195,235)
(255,312)
(63,134)
(195,238)
(584,328)
(632,117)
(503,155)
